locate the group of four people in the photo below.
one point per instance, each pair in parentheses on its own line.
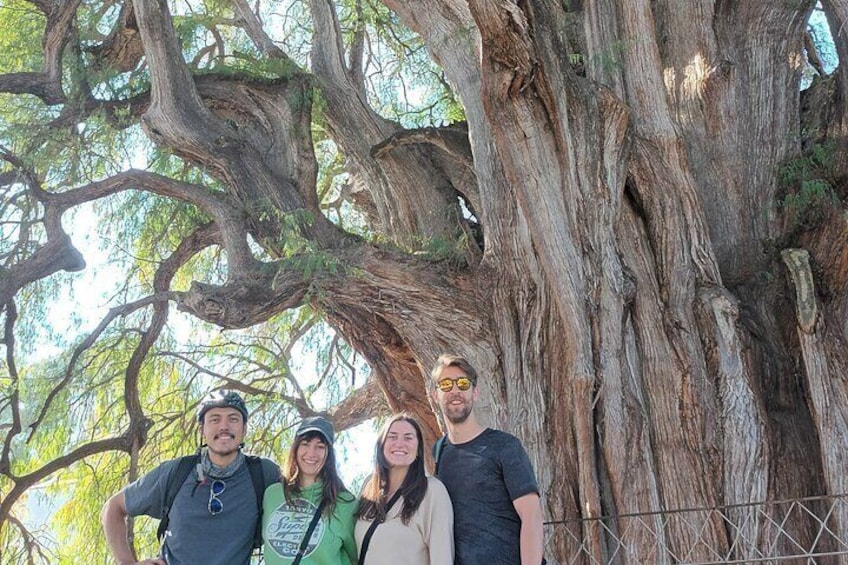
(483,509)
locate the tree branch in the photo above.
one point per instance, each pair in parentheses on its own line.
(362,404)
(57,254)
(174,94)
(225,210)
(14,398)
(505,32)
(357,51)
(411,209)
(47,85)
(24,482)
(123,310)
(122,49)
(38,84)
(256,32)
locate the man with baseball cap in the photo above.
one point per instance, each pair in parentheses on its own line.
(208,500)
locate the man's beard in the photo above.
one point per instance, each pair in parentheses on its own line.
(224,453)
(457,414)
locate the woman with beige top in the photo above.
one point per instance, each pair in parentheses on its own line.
(404,516)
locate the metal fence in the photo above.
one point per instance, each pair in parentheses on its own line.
(800,531)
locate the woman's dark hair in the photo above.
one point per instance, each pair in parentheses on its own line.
(372,501)
(333,485)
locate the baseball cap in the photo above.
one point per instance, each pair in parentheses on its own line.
(317,424)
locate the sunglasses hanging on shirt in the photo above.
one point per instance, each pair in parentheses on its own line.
(215,490)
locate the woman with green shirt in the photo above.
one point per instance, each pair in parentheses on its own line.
(310,496)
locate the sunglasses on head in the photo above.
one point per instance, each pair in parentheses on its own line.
(462,383)
(215,490)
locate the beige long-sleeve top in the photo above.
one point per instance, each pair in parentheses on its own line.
(426,540)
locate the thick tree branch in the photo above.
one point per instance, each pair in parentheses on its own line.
(58,254)
(13,401)
(837,17)
(253,26)
(38,84)
(122,49)
(453,140)
(505,32)
(174,95)
(357,51)
(282,177)
(408,209)
(226,212)
(245,300)
(120,114)
(47,85)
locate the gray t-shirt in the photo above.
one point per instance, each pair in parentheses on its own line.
(483,477)
(194,534)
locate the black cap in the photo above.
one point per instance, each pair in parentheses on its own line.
(317,424)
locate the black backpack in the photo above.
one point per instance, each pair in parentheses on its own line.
(438,447)
(180,472)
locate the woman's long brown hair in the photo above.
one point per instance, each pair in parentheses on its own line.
(329,475)
(372,501)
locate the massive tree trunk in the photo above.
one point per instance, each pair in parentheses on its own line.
(648,313)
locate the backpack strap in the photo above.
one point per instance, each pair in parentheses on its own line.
(308,535)
(254,465)
(370,533)
(183,469)
(438,447)
(178,475)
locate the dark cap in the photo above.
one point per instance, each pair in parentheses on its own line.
(317,424)
(221,399)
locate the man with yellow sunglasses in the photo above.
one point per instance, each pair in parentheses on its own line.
(497,514)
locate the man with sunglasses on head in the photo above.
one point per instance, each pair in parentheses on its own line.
(497,513)
(214,513)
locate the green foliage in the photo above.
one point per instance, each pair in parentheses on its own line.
(808,182)
(403,83)
(315,263)
(20,24)
(172,381)
(452,251)
(293,359)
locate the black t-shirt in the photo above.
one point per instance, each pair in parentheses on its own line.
(483,477)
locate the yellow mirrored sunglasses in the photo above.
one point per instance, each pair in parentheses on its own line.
(462,383)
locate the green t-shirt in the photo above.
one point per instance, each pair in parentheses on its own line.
(284,525)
